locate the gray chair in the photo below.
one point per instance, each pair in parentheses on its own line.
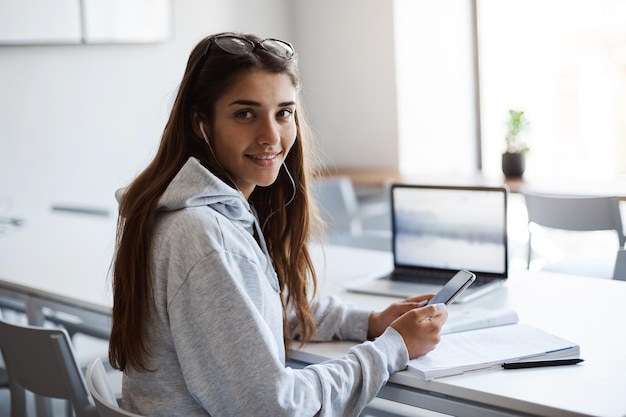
(41,360)
(619,272)
(573,213)
(338,203)
(4,377)
(20,397)
(96,326)
(101,391)
(349,221)
(4,382)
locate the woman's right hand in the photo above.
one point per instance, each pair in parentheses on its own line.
(420,328)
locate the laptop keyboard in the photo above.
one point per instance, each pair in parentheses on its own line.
(481,281)
(435,277)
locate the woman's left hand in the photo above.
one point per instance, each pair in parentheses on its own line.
(379,321)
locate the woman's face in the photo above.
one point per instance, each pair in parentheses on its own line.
(254,128)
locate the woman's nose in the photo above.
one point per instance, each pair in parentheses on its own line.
(269,133)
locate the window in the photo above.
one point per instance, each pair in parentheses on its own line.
(436,86)
(562,62)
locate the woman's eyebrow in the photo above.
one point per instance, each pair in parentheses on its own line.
(253,103)
(245,103)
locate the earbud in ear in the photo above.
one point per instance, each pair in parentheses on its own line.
(206,139)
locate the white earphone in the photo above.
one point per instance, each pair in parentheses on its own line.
(206,139)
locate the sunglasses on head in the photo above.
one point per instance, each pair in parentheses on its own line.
(239,46)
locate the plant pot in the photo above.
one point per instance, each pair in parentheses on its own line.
(513,164)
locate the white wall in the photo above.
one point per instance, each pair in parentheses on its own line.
(347,62)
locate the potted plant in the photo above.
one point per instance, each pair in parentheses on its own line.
(514,156)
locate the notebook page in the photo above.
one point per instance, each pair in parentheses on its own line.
(482,348)
(478,318)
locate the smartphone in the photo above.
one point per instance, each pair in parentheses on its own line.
(457,284)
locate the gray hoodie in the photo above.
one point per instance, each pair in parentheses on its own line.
(216,331)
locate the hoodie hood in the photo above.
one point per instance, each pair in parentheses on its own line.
(196,186)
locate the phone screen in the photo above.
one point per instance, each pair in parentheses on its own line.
(459,282)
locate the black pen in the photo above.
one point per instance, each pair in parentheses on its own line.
(536,364)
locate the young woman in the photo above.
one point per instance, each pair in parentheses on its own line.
(212,275)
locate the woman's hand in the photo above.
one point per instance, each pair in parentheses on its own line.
(420,328)
(379,321)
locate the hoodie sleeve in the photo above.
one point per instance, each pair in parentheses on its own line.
(231,362)
(334,320)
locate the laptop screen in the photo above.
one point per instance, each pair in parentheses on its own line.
(450,228)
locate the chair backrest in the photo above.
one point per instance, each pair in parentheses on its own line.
(338,203)
(620,266)
(574,213)
(577,213)
(41,360)
(102,393)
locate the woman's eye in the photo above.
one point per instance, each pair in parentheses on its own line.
(245,114)
(284,113)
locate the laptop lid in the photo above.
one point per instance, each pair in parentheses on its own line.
(438,230)
(447,228)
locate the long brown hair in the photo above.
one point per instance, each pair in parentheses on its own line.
(208,75)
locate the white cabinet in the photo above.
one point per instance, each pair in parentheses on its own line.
(40,21)
(24,22)
(119,21)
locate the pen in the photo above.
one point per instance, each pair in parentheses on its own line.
(536,364)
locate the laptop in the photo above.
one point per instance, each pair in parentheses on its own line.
(438,230)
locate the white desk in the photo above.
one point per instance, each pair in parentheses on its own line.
(62,261)
(589,311)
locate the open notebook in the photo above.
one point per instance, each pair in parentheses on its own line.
(438,230)
(489,348)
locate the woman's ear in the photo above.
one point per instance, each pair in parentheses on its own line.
(196,121)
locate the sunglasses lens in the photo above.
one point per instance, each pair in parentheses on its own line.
(239,46)
(278,48)
(233,45)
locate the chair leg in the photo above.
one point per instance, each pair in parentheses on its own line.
(43,406)
(529,251)
(18,401)
(69,410)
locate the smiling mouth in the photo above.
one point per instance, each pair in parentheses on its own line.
(264,157)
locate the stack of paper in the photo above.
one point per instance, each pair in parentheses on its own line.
(462,352)
(477,318)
